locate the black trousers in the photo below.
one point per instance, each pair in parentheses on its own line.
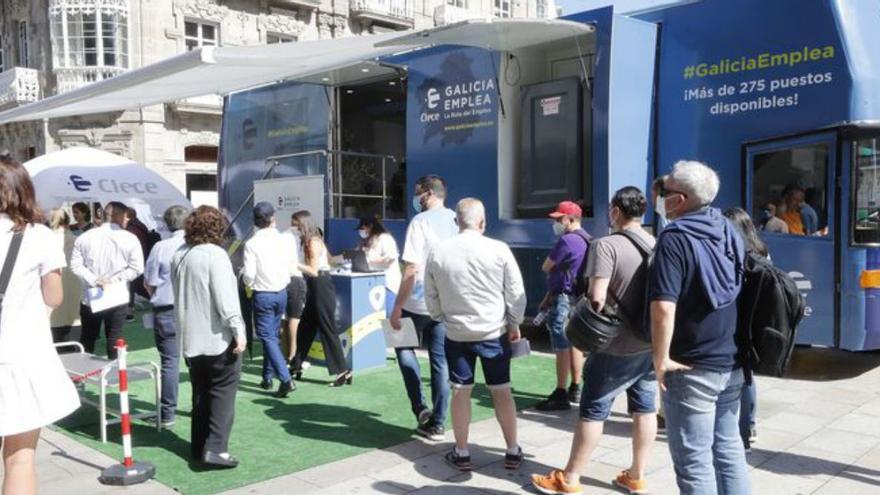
(113,319)
(319,316)
(214,383)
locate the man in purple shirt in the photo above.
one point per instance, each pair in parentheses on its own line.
(564,266)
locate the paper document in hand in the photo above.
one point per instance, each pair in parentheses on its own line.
(405,337)
(520,348)
(110,296)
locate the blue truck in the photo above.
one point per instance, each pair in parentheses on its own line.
(776,95)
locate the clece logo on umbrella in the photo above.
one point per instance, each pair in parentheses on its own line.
(80,184)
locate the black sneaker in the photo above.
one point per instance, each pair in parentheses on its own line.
(285,389)
(557,401)
(424,415)
(266,384)
(574,394)
(460,462)
(432,431)
(513,461)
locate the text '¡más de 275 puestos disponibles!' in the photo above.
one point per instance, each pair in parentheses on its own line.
(755,93)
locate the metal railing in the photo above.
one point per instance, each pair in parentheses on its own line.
(334,176)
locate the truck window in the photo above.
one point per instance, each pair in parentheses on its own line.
(866,181)
(789,190)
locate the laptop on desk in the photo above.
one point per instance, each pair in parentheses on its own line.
(358,261)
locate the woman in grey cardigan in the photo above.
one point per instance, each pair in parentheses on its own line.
(212,333)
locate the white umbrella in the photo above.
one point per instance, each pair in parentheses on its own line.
(90,175)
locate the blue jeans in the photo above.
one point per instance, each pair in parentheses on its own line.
(557,319)
(269,309)
(165,331)
(432,335)
(702,425)
(748,406)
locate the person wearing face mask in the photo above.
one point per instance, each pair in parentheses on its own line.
(656,187)
(695,277)
(382,254)
(617,283)
(433,223)
(564,268)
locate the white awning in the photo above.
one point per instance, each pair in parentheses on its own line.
(501,35)
(224,70)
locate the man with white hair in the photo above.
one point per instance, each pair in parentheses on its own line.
(695,277)
(474,286)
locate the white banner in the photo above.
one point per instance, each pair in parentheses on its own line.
(292,194)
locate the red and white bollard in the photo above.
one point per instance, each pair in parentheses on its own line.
(129,472)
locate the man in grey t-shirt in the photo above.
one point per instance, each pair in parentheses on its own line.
(617,278)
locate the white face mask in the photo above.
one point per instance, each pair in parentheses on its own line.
(558,229)
(660,207)
(363,234)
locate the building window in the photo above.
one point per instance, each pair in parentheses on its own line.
(502,8)
(274,38)
(96,37)
(22,29)
(204,154)
(462,4)
(198,34)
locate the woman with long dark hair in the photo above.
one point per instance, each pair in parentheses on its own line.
(34,388)
(743,224)
(211,330)
(382,254)
(319,315)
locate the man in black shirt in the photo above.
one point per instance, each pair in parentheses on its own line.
(695,277)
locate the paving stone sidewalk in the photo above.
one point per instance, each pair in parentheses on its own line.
(818,434)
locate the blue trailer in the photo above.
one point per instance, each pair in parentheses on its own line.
(770,93)
(774,94)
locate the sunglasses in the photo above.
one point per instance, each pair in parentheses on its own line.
(664,192)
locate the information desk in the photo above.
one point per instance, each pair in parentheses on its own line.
(360,309)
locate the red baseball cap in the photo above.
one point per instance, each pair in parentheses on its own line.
(567,208)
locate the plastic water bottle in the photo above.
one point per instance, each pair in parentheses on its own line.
(539,318)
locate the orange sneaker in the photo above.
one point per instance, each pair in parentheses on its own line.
(626,482)
(554,484)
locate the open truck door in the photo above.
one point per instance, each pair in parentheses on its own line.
(795,180)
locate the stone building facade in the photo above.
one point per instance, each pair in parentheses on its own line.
(48,47)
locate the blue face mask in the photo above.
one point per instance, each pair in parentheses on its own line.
(416,204)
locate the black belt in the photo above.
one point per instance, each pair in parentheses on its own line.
(159,309)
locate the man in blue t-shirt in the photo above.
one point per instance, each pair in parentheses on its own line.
(695,277)
(562,266)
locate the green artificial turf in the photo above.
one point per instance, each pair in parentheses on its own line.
(272,437)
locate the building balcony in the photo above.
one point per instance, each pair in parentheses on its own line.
(396,13)
(296,4)
(206,105)
(450,14)
(19,86)
(77,77)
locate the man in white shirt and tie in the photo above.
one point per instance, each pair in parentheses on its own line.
(474,286)
(101,258)
(269,262)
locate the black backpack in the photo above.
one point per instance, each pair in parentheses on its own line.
(580,281)
(639,321)
(770,307)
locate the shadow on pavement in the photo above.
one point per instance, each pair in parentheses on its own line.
(790,463)
(824,364)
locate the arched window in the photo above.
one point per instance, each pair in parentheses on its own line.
(89,33)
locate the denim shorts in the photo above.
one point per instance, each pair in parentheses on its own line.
(606,376)
(494,357)
(557,319)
